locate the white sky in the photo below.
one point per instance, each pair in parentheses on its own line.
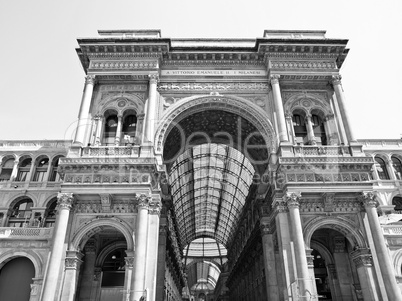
(41,79)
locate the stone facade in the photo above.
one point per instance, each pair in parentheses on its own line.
(206,169)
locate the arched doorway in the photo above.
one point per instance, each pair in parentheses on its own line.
(341,266)
(16,278)
(213,150)
(106,246)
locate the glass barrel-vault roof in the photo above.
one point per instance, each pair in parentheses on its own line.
(209,184)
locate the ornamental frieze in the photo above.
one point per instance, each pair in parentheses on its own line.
(123,65)
(263,87)
(122,88)
(302,64)
(327,177)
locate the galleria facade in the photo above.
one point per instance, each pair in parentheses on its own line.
(204,169)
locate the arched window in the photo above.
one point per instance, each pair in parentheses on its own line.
(397,165)
(129,128)
(54,176)
(50,214)
(110,130)
(23,170)
(21,213)
(381,168)
(319,129)
(300,128)
(7,170)
(42,164)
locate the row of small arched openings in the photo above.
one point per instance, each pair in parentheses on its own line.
(21,214)
(44,168)
(395,167)
(128,126)
(299,119)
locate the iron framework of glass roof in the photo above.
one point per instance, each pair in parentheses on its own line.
(209,184)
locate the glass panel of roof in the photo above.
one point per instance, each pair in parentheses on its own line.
(204,178)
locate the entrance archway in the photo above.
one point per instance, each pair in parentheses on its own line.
(106,246)
(214,148)
(16,278)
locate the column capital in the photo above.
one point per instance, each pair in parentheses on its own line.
(73,260)
(155,206)
(336,79)
(288,115)
(90,79)
(266,229)
(279,206)
(292,199)
(143,201)
(65,200)
(329,117)
(274,79)
(368,199)
(153,78)
(129,261)
(362,257)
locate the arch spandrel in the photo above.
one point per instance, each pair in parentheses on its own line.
(306,102)
(95,225)
(121,102)
(236,105)
(30,254)
(342,225)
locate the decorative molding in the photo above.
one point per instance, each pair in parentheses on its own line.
(122,88)
(263,87)
(125,65)
(303,65)
(266,229)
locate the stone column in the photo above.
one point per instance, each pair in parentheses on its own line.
(310,131)
(291,130)
(95,295)
(72,266)
(128,276)
(160,281)
(31,171)
(118,131)
(286,269)
(283,137)
(65,202)
(155,206)
(84,109)
(334,282)
(310,266)
(330,129)
(305,282)
(336,82)
(390,169)
(150,118)
(364,266)
(386,268)
(99,125)
(140,255)
(88,270)
(269,262)
(15,170)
